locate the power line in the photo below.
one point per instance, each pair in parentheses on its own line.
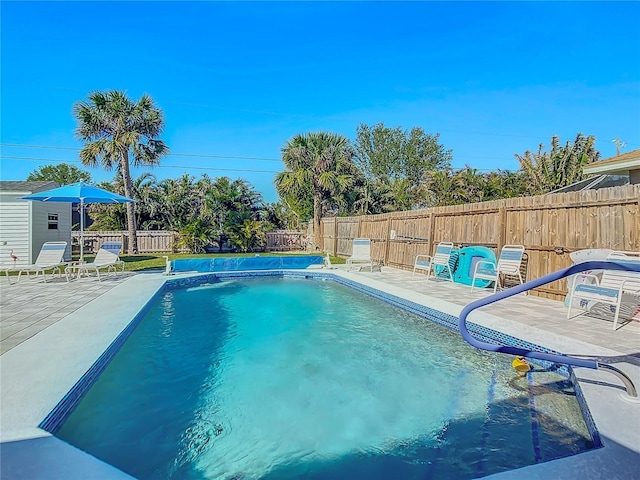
(9,157)
(39,159)
(198,155)
(202,155)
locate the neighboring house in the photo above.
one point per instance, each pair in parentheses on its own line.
(26,225)
(622,169)
(623,164)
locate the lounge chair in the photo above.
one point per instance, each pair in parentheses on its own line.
(106,258)
(360,253)
(508,264)
(610,289)
(51,257)
(326,263)
(441,259)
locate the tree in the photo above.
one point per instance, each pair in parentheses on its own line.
(245,232)
(222,199)
(373,197)
(107,216)
(194,236)
(316,163)
(503,184)
(181,202)
(281,217)
(62,174)
(562,166)
(399,159)
(117,132)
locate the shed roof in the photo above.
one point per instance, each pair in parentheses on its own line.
(25,188)
(618,165)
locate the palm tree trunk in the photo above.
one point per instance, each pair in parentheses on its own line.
(317,211)
(131,218)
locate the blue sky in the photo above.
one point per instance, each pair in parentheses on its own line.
(239,79)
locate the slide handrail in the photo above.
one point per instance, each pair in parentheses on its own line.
(551,357)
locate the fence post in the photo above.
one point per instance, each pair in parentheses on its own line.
(387,242)
(502,228)
(637,227)
(432,228)
(335,236)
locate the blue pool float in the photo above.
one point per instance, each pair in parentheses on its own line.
(467,259)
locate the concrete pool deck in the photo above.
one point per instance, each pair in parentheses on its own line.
(52,333)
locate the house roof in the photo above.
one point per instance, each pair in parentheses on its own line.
(25,188)
(618,165)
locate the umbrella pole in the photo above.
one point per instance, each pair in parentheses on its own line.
(81,230)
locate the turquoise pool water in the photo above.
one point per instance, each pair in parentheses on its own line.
(281,378)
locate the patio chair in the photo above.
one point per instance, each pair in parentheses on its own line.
(361,253)
(610,288)
(326,263)
(51,257)
(508,264)
(441,258)
(106,258)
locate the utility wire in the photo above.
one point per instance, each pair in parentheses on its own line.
(9,157)
(199,155)
(185,167)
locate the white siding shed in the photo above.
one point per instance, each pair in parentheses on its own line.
(26,225)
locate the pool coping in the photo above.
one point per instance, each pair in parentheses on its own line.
(35,388)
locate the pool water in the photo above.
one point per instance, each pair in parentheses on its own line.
(281,378)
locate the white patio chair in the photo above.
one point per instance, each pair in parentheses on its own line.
(51,257)
(441,258)
(508,264)
(610,288)
(107,257)
(360,253)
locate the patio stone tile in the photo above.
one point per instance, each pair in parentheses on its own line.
(6,332)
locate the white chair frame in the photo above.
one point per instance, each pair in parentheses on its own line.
(508,263)
(440,258)
(360,253)
(609,289)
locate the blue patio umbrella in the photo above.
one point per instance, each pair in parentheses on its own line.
(81,193)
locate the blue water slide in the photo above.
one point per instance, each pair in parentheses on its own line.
(551,357)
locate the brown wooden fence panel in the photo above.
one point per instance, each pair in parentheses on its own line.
(286,240)
(549,226)
(149,241)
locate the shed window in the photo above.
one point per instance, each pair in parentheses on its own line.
(53,221)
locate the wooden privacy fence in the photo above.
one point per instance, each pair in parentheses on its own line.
(149,241)
(286,240)
(549,226)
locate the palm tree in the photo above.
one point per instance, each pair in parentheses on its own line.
(116,131)
(560,167)
(317,160)
(181,202)
(223,198)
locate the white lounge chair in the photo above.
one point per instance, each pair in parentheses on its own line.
(508,264)
(611,288)
(107,257)
(326,263)
(51,257)
(361,253)
(441,258)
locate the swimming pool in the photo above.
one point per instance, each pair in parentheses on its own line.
(288,386)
